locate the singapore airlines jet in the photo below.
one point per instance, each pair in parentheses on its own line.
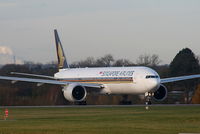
(77,82)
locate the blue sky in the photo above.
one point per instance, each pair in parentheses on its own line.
(125,29)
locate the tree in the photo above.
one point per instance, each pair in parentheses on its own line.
(148,60)
(185,63)
(155,61)
(5,70)
(122,62)
(105,61)
(196,97)
(88,62)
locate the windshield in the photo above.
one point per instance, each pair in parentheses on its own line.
(152,76)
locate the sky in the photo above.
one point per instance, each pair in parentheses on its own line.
(123,28)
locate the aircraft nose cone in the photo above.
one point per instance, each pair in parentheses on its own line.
(154,84)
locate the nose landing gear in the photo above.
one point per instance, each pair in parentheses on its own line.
(148,97)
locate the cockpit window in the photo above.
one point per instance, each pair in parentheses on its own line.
(151,76)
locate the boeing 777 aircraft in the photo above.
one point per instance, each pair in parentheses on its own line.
(77,82)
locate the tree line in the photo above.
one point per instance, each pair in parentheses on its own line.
(23,93)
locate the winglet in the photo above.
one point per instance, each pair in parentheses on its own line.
(62,61)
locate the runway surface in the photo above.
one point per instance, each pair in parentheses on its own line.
(85,106)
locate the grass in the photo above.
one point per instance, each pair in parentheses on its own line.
(102,120)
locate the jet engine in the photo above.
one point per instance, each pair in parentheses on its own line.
(161,93)
(74,92)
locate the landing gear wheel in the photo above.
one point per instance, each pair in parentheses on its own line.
(149,102)
(148,97)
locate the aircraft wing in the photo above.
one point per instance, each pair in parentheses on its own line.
(34,75)
(45,81)
(173,79)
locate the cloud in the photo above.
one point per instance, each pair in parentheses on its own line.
(5,50)
(7,56)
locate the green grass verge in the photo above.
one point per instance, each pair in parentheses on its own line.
(102,120)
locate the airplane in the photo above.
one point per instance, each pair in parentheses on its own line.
(78,82)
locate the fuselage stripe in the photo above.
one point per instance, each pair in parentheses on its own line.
(100,79)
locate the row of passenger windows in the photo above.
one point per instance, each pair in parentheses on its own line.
(152,76)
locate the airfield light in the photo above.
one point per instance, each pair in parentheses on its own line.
(5,114)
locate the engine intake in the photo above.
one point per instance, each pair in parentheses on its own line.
(74,92)
(161,93)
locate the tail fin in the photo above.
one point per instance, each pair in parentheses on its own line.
(62,61)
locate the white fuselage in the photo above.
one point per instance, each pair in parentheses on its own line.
(116,80)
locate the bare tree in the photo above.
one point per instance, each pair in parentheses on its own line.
(148,60)
(143,60)
(105,61)
(123,62)
(89,62)
(155,60)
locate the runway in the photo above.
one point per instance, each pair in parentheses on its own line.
(100,106)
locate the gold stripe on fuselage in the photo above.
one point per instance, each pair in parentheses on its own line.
(103,81)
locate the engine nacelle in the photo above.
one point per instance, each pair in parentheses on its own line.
(161,93)
(74,92)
